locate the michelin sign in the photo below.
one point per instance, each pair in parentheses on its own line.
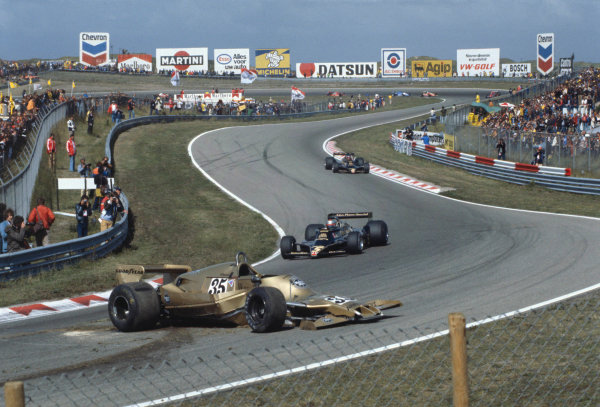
(272,61)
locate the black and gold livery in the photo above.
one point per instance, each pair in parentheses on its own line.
(336,237)
(348,163)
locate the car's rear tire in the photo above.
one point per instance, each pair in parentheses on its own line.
(329,163)
(359,161)
(134,307)
(312,230)
(335,167)
(354,243)
(367,168)
(265,309)
(377,231)
(286,246)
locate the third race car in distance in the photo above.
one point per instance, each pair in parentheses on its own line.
(336,237)
(347,162)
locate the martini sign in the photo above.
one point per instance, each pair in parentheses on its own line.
(545,53)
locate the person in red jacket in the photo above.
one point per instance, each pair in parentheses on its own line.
(72,151)
(44,218)
(51,150)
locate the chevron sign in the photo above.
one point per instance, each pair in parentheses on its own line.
(94,48)
(545,53)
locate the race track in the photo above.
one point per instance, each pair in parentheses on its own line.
(445,256)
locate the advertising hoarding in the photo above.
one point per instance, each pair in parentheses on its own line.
(393,62)
(182,59)
(273,61)
(431,68)
(545,53)
(231,60)
(514,70)
(336,70)
(94,48)
(478,62)
(136,62)
(566,66)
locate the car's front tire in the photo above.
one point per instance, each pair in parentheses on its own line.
(377,231)
(134,307)
(329,163)
(265,309)
(335,167)
(286,246)
(355,243)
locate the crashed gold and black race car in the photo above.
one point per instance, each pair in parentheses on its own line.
(347,162)
(336,237)
(233,292)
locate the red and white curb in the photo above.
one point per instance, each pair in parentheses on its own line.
(389,175)
(42,309)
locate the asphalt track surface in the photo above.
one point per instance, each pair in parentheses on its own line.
(445,256)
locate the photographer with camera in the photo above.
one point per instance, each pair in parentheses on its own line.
(83,212)
(108,211)
(41,217)
(15,239)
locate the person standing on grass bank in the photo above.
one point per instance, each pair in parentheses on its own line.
(71,126)
(71,151)
(42,218)
(16,235)
(131,108)
(51,151)
(90,120)
(9,214)
(83,212)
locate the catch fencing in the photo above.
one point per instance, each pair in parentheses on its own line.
(19,174)
(545,356)
(580,152)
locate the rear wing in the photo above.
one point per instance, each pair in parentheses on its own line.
(134,273)
(350,215)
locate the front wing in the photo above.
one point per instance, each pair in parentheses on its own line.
(324,311)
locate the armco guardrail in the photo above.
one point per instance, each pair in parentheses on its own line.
(32,261)
(502,170)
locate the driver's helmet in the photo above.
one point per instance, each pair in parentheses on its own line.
(332,223)
(348,157)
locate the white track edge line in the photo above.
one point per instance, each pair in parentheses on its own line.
(277,228)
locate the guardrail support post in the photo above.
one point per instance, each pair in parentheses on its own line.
(14,394)
(458,349)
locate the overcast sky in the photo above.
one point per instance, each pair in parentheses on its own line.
(313,30)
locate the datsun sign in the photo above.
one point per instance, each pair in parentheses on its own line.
(545,53)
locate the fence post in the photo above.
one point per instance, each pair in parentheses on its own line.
(458,349)
(14,394)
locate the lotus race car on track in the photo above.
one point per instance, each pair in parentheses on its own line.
(336,237)
(233,292)
(347,162)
